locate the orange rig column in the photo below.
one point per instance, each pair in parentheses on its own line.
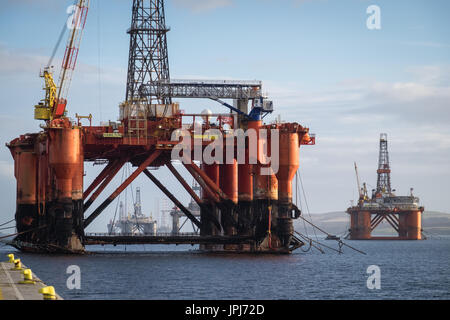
(229,185)
(288,166)
(43,188)
(64,160)
(414,226)
(364,218)
(403,225)
(245,194)
(209,208)
(360,224)
(354,228)
(77,194)
(25,171)
(265,189)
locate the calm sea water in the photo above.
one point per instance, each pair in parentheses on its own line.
(409,270)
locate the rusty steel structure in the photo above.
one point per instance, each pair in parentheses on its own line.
(241,209)
(403,213)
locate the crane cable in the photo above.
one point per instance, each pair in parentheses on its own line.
(55,49)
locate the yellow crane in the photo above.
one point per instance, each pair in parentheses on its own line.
(54,104)
(362,191)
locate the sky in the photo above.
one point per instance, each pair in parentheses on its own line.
(319,62)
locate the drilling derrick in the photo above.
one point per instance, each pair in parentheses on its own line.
(402,213)
(148,58)
(137,204)
(384,171)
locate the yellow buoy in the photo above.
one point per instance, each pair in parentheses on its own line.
(48,292)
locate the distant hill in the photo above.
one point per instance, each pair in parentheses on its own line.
(433,222)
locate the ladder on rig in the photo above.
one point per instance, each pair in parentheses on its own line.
(137,124)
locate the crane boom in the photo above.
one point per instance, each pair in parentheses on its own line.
(70,56)
(358,183)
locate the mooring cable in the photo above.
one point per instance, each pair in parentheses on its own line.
(298,201)
(23,232)
(318,248)
(7,228)
(306,201)
(341,243)
(7,222)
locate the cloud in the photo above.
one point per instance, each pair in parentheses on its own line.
(16,63)
(431,74)
(421,100)
(200,6)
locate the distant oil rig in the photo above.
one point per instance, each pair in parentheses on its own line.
(403,213)
(137,223)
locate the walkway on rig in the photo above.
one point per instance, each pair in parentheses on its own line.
(182,238)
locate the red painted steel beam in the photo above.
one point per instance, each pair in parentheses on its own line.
(122,187)
(214,187)
(114,170)
(184,184)
(395,218)
(99,178)
(391,222)
(378,222)
(394,221)
(172,198)
(375,220)
(203,184)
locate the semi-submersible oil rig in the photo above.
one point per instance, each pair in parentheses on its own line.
(242,210)
(403,213)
